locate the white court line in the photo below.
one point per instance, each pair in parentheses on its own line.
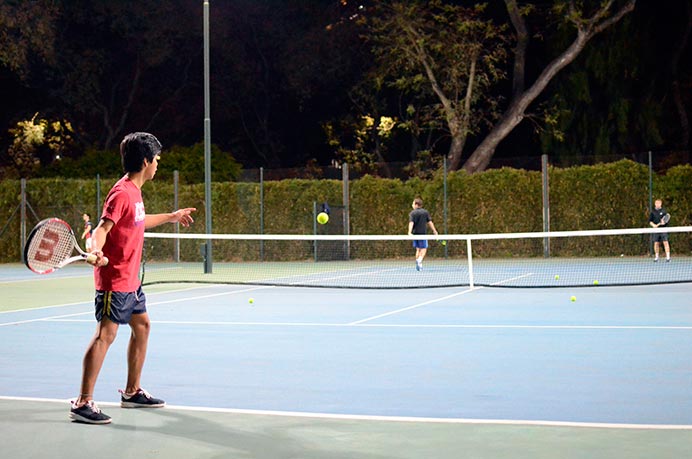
(348,325)
(463,292)
(418,305)
(368,273)
(34,279)
(366,417)
(177,300)
(44,319)
(91,301)
(211,295)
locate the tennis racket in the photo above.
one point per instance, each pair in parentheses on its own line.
(665,219)
(50,246)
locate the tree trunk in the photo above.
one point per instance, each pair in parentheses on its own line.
(519,71)
(455,151)
(481,157)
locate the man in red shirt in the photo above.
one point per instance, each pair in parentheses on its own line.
(119,296)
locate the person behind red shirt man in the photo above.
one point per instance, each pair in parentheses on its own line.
(119,296)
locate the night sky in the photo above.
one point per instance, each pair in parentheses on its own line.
(281,69)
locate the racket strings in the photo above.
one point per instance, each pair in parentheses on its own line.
(51,245)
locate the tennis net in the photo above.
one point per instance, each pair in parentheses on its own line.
(553,259)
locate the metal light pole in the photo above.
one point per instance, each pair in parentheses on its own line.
(207,143)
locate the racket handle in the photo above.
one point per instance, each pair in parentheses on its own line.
(91,259)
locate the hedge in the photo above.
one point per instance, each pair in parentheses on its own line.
(612,195)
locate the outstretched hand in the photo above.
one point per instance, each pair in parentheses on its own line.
(183,216)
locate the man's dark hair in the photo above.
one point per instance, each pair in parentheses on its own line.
(137,147)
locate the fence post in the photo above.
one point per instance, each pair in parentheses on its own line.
(261,172)
(444,203)
(98,198)
(651,201)
(347,208)
(176,246)
(314,230)
(22,219)
(546,204)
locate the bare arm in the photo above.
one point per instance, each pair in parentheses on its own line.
(98,239)
(181,216)
(410,228)
(432,227)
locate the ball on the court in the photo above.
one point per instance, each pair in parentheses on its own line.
(322,218)
(595,282)
(251,300)
(557,277)
(573,298)
(622,254)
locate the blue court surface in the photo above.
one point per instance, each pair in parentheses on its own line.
(317,372)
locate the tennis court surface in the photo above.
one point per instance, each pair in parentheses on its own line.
(341,373)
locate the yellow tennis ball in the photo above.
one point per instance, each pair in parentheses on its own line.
(251,300)
(322,218)
(557,277)
(573,298)
(595,282)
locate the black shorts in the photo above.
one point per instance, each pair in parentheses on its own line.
(119,306)
(660,237)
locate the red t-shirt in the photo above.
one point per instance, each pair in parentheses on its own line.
(124,242)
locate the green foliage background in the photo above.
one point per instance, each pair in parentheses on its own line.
(604,196)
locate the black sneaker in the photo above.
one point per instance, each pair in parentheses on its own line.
(140,399)
(88,413)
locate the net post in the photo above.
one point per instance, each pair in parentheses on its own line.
(469,256)
(546,204)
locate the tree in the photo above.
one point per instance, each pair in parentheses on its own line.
(122,64)
(27,30)
(678,98)
(37,142)
(448,54)
(364,142)
(605,15)
(614,99)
